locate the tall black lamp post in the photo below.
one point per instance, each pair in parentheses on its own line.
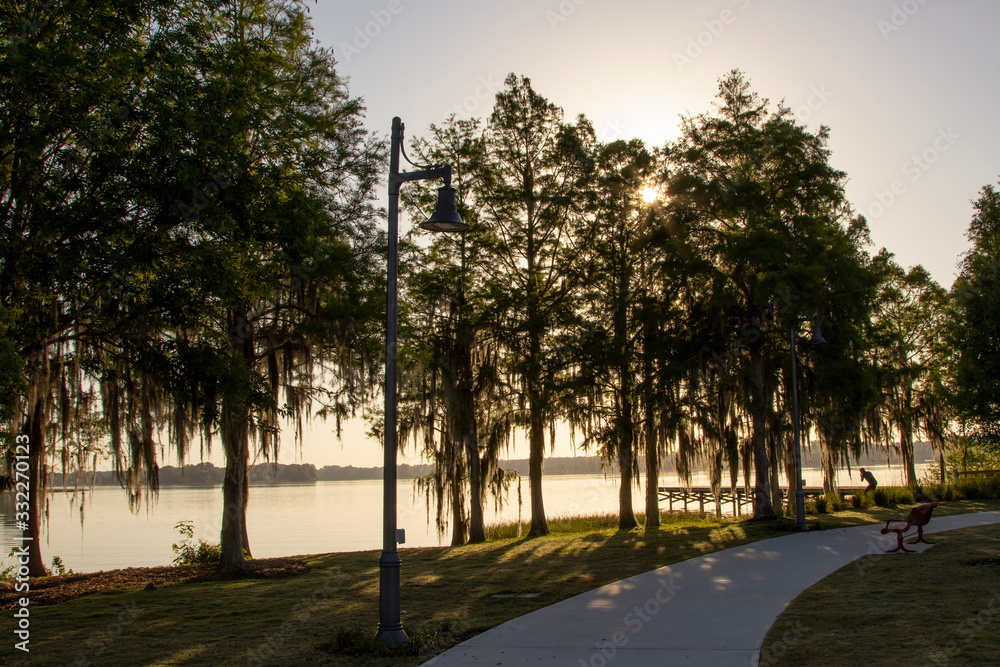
(800,494)
(445,219)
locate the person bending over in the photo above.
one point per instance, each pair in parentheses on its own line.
(870,478)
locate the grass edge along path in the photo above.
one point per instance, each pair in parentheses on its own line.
(937,608)
(448,594)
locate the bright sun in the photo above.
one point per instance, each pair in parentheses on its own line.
(649,194)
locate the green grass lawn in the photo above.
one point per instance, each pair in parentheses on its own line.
(940,607)
(448,594)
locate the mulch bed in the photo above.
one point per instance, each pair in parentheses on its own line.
(53,590)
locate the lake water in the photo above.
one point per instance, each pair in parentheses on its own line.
(300,519)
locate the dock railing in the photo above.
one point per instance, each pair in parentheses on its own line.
(739,498)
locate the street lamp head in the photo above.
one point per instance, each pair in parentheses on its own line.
(446,217)
(817,336)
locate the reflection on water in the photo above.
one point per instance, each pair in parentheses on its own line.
(296,519)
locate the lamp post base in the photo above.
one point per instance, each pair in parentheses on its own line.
(800,510)
(391,636)
(390,627)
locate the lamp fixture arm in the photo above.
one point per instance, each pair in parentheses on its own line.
(397,179)
(424,172)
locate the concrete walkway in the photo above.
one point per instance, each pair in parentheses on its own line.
(714,610)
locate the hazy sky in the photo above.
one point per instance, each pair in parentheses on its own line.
(908,88)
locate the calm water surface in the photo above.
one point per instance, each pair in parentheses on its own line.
(96,531)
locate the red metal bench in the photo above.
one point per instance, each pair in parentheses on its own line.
(917,518)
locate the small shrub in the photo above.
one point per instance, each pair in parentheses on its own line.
(188,553)
(821,503)
(880,497)
(968,487)
(356,642)
(978,487)
(834,503)
(897,495)
(941,492)
(58,568)
(864,498)
(10,572)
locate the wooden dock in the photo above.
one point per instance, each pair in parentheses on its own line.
(738,499)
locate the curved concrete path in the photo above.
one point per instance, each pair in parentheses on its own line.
(714,610)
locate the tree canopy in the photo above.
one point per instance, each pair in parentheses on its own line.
(190,254)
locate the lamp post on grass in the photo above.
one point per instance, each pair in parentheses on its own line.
(445,219)
(800,494)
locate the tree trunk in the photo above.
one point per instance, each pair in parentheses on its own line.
(235,433)
(536,452)
(791,471)
(536,425)
(762,506)
(906,436)
(906,453)
(625,431)
(459,533)
(467,431)
(626,460)
(477,524)
(246,503)
(652,472)
(626,465)
(774,451)
(235,439)
(828,459)
(649,426)
(35,430)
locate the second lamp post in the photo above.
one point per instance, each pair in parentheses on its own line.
(800,494)
(445,219)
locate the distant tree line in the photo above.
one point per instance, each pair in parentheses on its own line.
(207,474)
